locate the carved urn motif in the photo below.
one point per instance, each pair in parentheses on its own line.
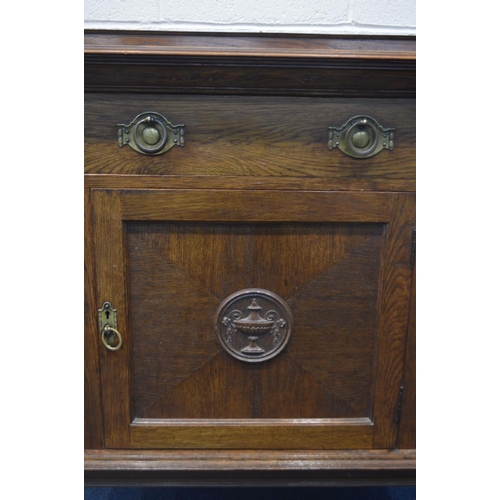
(262,333)
(253,326)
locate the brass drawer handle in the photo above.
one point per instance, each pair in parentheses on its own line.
(151,134)
(361,137)
(106,341)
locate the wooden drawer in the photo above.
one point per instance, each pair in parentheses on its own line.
(252,136)
(263,284)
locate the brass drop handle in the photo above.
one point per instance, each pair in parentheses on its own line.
(361,137)
(150,133)
(106,331)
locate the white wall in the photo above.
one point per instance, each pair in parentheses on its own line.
(384,17)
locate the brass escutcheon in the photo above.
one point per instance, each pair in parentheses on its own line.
(108,327)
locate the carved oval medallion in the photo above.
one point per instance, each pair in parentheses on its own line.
(253,324)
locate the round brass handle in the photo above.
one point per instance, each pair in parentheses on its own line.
(361,137)
(150,135)
(108,329)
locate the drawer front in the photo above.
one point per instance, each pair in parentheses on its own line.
(190,375)
(252,136)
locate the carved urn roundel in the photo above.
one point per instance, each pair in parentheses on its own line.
(253,324)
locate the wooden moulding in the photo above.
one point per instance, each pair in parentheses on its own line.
(115,181)
(250,64)
(249,468)
(245,45)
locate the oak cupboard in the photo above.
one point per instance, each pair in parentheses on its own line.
(250,259)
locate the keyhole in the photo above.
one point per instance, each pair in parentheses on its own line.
(107,314)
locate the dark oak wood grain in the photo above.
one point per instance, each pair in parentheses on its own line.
(205,468)
(254,206)
(266,137)
(394,308)
(251,64)
(249,468)
(92,388)
(119,181)
(166,262)
(407,437)
(179,274)
(278,435)
(111,286)
(254,199)
(250,45)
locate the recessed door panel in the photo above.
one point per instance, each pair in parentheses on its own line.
(328,275)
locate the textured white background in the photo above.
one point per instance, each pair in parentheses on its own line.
(392,17)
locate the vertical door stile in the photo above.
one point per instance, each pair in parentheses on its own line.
(110,278)
(394,309)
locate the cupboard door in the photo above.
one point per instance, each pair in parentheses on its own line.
(252,319)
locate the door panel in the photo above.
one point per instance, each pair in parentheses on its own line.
(180,273)
(335,259)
